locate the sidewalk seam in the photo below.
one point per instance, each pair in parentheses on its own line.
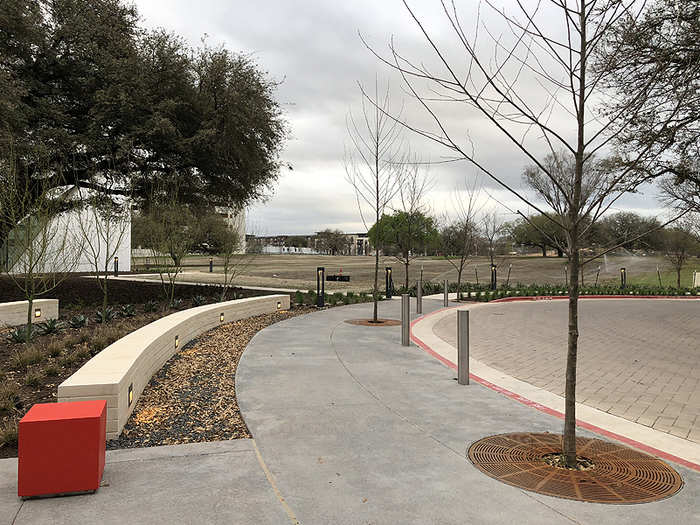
(271,480)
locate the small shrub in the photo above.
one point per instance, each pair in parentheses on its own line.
(198,300)
(32,379)
(18,335)
(105,315)
(51,371)
(177,304)
(29,356)
(78,321)
(67,360)
(9,397)
(84,337)
(128,310)
(150,306)
(54,348)
(8,433)
(298,297)
(50,326)
(82,354)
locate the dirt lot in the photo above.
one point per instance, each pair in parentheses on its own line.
(299,271)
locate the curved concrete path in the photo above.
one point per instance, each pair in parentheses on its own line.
(355,428)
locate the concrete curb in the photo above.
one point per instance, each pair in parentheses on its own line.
(660,444)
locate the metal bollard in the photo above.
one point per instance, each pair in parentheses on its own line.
(419,297)
(463,347)
(116,266)
(211,264)
(405,319)
(446,299)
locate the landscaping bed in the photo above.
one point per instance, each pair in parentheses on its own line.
(193,398)
(31,372)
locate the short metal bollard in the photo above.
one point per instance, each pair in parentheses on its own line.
(446,298)
(211,264)
(463,347)
(116,266)
(419,297)
(405,319)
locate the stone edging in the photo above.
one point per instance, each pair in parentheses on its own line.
(15,313)
(120,372)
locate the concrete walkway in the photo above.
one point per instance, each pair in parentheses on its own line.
(356,428)
(349,427)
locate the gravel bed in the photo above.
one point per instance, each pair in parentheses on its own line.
(193,397)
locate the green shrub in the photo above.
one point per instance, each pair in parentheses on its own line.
(8,433)
(9,397)
(177,303)
(67,361)
(78,321)
(150,306)
(298,297)
(50,326)
(18,335)
(51,371)
(29,356)
(32,379)
(198,300)
(105,315)
(128,310)
(54,348)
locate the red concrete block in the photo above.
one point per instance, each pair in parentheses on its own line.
(61,448)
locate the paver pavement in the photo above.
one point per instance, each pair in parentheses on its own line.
(638,359)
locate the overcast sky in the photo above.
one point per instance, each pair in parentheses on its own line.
(313,48)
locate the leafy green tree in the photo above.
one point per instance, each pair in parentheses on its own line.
(332,242)
(106,100)
(679,244)
(537,231)
(407,234)
(629,225)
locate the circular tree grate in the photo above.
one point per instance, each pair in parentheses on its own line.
(619,473)
(369,322)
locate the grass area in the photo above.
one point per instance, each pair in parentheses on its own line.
(668,277)
(299,271)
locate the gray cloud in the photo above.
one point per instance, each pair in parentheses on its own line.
(312,47)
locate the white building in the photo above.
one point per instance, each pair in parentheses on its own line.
(74,241)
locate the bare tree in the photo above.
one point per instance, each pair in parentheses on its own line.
(41,248)
(680,243)
(459,238)
(493,227)
(556,55)
(103,223)
(371,166)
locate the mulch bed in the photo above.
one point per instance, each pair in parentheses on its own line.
(378,322)
(61,354)
(193,397)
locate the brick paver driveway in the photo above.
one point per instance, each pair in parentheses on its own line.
(638,359)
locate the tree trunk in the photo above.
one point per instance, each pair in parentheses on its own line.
(459,283)
(678,278)
(376,281)
(406,263)
(544,251)
(571,358)
(30,316)
(560,253)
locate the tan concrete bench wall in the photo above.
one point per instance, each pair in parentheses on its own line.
(128,364)
(15,313)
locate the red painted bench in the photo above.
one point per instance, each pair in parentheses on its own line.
(61,448)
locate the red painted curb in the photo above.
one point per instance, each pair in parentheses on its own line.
(551,297)
(547,410)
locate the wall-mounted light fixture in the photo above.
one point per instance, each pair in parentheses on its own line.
(221,317)
(37,312)
(177,341)
(131,393)
(279,305)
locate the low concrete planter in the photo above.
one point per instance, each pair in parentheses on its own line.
(120,372)
(15,313)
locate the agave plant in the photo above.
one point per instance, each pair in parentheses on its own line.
(50,326)
(150,306)
(18,335)
(128,310)
(78,321)
(199,300)
(105,315)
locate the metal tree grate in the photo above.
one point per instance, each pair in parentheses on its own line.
(620,474)
(369,322)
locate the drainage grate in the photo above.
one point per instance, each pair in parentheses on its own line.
(369,322)
(619,475)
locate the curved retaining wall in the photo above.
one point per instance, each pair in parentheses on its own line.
(120,372)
